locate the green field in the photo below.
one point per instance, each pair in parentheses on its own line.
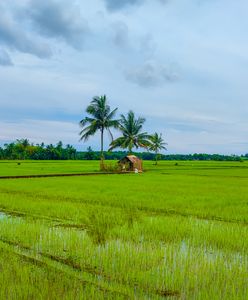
(12,168)
(176,231)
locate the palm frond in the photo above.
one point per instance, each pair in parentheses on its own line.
(100,117)
(117,143)
(87,132)
(157,142)
(110,134)
(132,136)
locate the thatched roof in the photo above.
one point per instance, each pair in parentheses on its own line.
(132,158)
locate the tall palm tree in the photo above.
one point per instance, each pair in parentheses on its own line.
(157,144)
(131,133)
(100,118)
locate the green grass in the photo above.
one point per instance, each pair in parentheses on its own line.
(175,231)
(14,168)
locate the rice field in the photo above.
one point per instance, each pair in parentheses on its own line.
(177,231)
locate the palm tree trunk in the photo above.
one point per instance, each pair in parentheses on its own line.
(130,149)
(102,156)
(156,158)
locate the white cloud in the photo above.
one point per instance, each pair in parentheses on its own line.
(152,74)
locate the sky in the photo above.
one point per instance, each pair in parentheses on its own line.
(181,64)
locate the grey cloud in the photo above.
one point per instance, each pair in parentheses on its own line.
(5,60)
(151,74)
(57,19)
(121,34)
(15,38)
(117,4)
(114,5)
(122,37)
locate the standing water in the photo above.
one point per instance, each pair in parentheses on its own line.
(3,216)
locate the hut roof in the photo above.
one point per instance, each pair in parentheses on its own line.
(134,163)
(132,158)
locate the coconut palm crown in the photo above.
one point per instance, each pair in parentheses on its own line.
(132,136)
(100,118)
(157,144)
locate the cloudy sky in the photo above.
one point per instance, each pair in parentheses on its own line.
(182,64)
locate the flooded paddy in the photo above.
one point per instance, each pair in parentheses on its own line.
(135,237)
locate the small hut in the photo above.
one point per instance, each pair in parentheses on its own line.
(131,163)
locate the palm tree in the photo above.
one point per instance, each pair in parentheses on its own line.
(157,144)
(100,118)
(131,133)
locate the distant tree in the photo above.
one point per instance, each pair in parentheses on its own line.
(89,155)
(70,152)
(9,151)
(21,148)
(157,144)
(131,134)
(23,142)
(100,118)
(59,150)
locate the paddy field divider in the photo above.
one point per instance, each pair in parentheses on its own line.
(62,175)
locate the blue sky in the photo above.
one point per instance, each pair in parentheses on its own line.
(182,64)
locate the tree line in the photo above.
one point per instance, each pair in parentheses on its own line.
(117,155)
(23,149)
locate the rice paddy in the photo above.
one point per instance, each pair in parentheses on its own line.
(177,231)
